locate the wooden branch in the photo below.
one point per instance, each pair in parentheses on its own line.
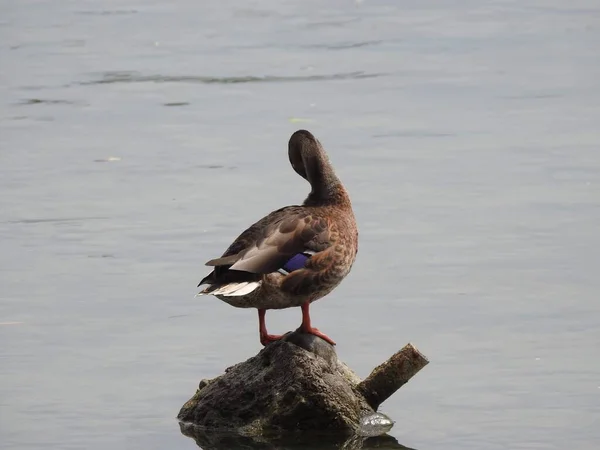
(390,376)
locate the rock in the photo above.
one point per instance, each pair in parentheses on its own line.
(295,385)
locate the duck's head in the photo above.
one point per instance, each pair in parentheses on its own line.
(303,147)
(309,160)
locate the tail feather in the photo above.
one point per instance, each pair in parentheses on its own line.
(230,289)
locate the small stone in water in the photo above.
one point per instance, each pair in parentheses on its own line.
(375,424)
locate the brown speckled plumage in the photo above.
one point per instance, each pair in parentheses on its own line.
(324,227)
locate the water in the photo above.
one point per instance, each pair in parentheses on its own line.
(139,138)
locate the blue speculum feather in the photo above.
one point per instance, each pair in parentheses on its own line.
(295,262)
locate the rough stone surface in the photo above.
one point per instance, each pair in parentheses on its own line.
(296,384)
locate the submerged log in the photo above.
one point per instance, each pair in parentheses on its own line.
(298,384)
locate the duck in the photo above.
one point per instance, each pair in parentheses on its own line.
(296,254)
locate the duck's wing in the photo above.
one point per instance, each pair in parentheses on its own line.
(272,242)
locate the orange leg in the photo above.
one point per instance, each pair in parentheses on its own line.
(265,338)
(307,328)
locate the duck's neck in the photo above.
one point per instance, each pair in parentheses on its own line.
(327,189)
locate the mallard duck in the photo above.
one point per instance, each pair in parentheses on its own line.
(294,255)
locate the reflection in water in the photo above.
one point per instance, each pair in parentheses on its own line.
(214,440)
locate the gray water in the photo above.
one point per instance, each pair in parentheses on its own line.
(139,138)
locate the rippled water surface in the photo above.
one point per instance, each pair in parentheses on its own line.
(139,138)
